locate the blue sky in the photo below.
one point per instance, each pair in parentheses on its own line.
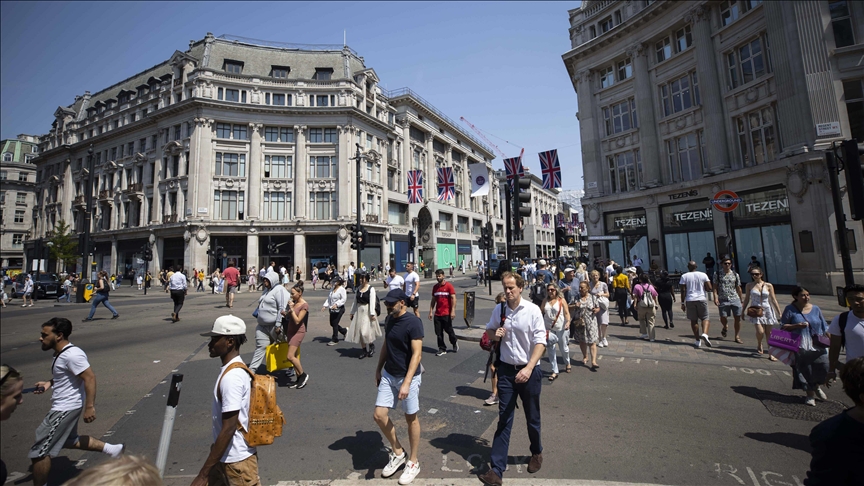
(498,64)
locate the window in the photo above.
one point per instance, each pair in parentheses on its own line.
(20,198)
(241,132)
(278,166)
(2,175)
(278,99)
(462,224)
(853,91)
(841,23)
(113,153)
(397,213)
(664,49)
(323,74)
(130,148)
(19,216)
(229,204)
(417,135)
(133,116)
(446,221)
(22,177)
(277,206)
(232,95)
(154,139)
(679,95)
(607,77)
(223,130)
(177,132)
(17,239)
(606,25)
(625,69)
(331,135)
(2,197)
(230,164)
(731,10)
(392,180)
(369,141)
(684,158)
(279,134)
(279,71)
(233,67)
(747,62)
(683,38)
(322,205)
(623,171)
(142,145)
(415,160)
(116,124)
(756,138)
(620,117)
(592,31)
(323,166)
(316,135)
(7,156)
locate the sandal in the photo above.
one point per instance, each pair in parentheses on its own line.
(724,332)
(553,376)
(567,369)
(759,350)
(739,341)
(771,358)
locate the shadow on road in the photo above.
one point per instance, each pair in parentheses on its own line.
(794,441)
(470,391)
(366,449)
(762,395)
(474,450)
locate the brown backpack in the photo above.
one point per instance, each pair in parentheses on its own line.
(265,417)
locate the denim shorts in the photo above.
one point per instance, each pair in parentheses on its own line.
(388,393)
(729,310)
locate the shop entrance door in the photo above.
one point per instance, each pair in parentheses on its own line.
(681,248)
(635,245)
(774,249)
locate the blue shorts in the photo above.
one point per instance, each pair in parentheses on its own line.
(388,393)
(730,310)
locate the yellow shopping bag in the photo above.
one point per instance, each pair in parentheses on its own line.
(276,357)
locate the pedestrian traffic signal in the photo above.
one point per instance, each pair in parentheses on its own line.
(571,240)
(521,201)
(854,179)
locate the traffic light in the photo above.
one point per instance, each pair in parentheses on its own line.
(364,237)
(412,241)
(521,201)
(560,236)
(356,235)
(854,179)
(484,239)
(571,240)
(148,255)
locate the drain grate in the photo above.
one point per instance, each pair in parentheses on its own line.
(792,407)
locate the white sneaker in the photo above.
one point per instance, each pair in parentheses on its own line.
(492,400)
(707,341)
(821,394)
(698,343)
(643,336)
(810,402)
(600,344)
(393,464)
(409,473)
(605,343)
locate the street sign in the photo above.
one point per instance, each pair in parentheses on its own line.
(827,129)
(603,237)
(726,201)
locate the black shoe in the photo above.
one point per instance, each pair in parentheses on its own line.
(343,331)
(86,319)
(671,326)
(666,326)
(371,351)
(365,354)
(115,316)
(456,347)
(301,381)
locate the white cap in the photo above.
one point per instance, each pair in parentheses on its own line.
(227,326)
(630,270)
(541,262)
(569,269)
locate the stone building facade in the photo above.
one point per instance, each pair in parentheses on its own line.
(238,144)
(681,100)
(17,197)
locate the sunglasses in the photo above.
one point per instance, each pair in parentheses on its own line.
(727,263)
(755,274)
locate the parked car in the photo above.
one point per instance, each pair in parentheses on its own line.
(47,285)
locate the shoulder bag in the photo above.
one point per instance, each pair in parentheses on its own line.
(756,311)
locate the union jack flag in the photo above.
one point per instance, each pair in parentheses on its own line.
(561,219)
(513,166)
(574,218)
(551,169)
(545,220)
(446,185)
(415,186)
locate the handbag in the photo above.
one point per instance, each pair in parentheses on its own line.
(276,357)
(821,341)
(755,312)
(551,337)
(784,340)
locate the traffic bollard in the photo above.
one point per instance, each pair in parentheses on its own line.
(168,423)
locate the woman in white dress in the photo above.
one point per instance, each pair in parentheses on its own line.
(601,291)
(760,305)
(556,316)
(364,328)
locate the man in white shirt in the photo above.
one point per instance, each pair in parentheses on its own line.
(231,461)
(610,271)
(412,288)
(695,286)
(394,281)
(852,334)
(74,386)
(178,286)
(517,325)
(637,262)
(351,283)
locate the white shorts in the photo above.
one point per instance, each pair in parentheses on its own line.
(388,393)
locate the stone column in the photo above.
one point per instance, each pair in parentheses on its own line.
(156,214)
(253,186)
(203,156)
(716,142)
(430,174)
(301,168)
(588,124)
(113,268)
(649,144)
(346,172)
(251,252)
(299,254)
(157,256)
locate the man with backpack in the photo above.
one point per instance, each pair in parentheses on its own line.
(538,288)
(232,461)
(847,329)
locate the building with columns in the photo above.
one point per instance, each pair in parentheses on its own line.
(17,197)
(238,143)
(537,239)
(679,101)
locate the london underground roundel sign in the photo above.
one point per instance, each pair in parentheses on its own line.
(726,201)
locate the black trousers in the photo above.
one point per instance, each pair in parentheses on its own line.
(178,296)
(335,317)
(508,392)
(444,324)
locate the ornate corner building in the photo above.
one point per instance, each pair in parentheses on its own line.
(240,143)
(17,197)
(681,100)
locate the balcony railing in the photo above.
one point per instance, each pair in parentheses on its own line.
(136,187)
(169,218)
(105,194)
(78,201)
(371,218)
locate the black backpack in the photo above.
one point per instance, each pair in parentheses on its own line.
(538,292)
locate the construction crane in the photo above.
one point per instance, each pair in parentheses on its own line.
(480,132)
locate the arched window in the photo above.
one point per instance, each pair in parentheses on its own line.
(7,156)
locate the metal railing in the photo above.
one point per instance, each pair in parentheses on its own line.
(399,92)
(287,45)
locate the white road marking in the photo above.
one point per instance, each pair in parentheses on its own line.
(433,411)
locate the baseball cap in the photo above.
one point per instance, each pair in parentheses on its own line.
(227,326)
(541,262)
(395,295)
(569,269)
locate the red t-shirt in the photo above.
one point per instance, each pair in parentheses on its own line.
(441,293)
(232,276)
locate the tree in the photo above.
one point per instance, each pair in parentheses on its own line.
(65,244)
